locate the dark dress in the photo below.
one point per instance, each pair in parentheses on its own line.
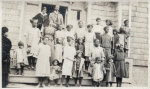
(119,60)
(42,20)
(81,48)
(6,47)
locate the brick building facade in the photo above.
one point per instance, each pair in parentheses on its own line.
(13,17)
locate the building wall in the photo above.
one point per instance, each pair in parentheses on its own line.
(139,25)
(11,19)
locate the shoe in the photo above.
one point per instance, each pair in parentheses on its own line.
(39,85)
(43,85)
(67,85)
(55,85)
(49,85)
(32,67)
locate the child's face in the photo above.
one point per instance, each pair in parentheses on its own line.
(81,24)
(110,60)
(121,48)
(51,22)
(21,47)
(6,34)
(98,22)
(69,28)
(34,23)
(126,23)
(115,32)
(107,23)
(90,29)
(70,43)
(107,30)
(55,63)
(97,42)
(44,11)
(45,41)
(59,27)
(98,60)
(79,54)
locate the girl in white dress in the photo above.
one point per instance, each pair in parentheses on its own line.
(109,23)
(43,62)
(98,72)
(89,44)
(69,55)
(21,56)
(33,37)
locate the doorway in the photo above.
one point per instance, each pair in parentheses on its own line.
(63,10)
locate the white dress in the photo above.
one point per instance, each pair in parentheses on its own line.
(98,72)
(69,52)
(33,36)
(89,42)
(80,33)
(59,47)
(110,33)
(70,34)
(43,61)
(98,29)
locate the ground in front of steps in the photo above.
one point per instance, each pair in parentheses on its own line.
(140,79)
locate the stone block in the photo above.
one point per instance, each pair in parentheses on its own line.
(125,7)
(136,29)
(139,40)
(10,17)
(138,19)
(139,46)
(140,25)
(10,11)
(143,4)
(141,9)
(19,6)
(96,7)
(134,9)
(14,30)
(6,5)
(125,3)
(135,4)
(125,12)
(139,57)
(13,23)
(140,35)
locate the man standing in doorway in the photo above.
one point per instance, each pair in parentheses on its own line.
(56,16)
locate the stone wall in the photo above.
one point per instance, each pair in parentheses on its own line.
(11,19)
(104,10)
(139,37)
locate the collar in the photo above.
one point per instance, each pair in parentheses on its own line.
(43,14)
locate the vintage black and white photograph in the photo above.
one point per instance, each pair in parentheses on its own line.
(75,43)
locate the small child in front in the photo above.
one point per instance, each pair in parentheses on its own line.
(98,72)
(21,56)
(69,55)
(78,68)
(80,46)
(55,72)
(110,71)
(89,41)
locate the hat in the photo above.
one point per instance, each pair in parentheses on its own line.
(4,30)
(69,25)
(110,57)
(20,43)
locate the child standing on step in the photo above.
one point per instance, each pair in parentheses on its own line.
(78,68)
(55,72)
(110,71)
(98,72)
(69,55)
(43,62)
(59,40)
(119,60)
(80,45)
(89,41)
(21,56)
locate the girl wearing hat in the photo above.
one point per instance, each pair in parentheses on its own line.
(21,56)
(110,71)
(78,68)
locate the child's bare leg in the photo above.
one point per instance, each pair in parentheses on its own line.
(39,84)
(43,79)
(49,82)
(29,60)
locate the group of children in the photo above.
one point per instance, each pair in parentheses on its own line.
(64,54)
